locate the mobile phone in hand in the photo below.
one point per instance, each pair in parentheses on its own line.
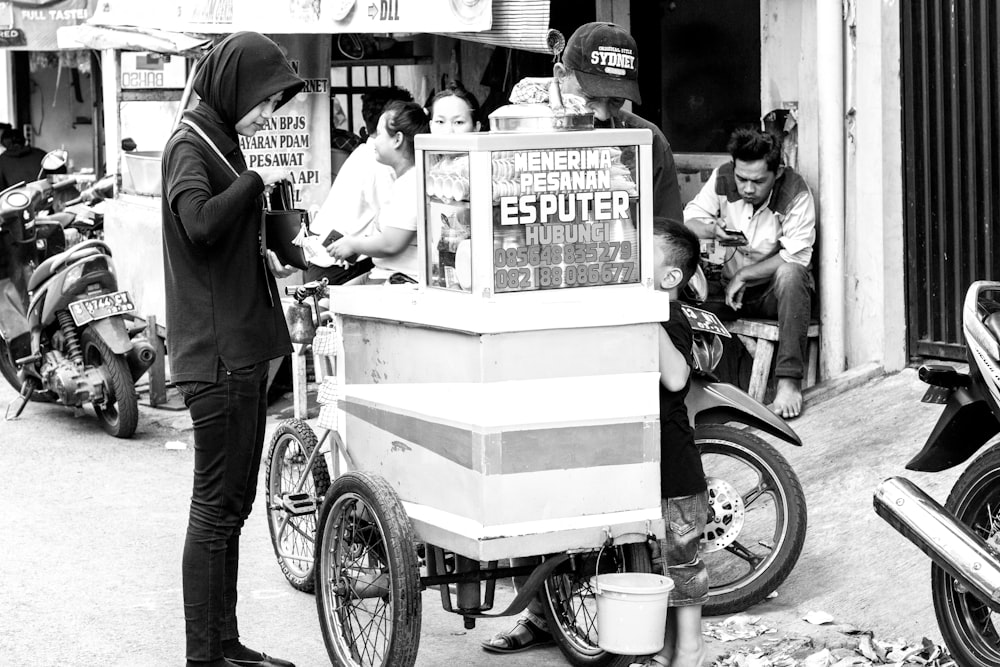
(737,238)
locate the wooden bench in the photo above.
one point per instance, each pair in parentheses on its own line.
(761,339)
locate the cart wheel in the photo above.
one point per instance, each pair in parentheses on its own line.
(293,499)
(571,604)
(367,579)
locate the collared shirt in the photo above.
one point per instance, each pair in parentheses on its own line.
(784,225)
(361,188)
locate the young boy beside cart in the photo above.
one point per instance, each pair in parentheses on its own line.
(682,479)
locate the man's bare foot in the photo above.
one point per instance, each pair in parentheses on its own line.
(787,399)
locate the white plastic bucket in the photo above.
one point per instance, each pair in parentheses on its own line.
(631,611)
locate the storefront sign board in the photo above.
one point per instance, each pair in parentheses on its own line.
(299,16)
(298,136)
(32,24)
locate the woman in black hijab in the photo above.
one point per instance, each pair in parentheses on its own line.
(224,321)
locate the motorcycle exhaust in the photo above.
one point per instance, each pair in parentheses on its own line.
(951,544)
(140,357)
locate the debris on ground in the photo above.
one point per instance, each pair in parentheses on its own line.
(817,618)
(801,652)
(175,445)
(736,627)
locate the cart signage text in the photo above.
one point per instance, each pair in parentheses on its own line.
(564,218)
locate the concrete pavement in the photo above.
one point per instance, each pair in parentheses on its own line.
(90,544)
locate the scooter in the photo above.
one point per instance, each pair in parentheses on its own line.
(963,537)
(757,509)
(67,333)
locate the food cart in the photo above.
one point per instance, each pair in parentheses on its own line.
(506,405)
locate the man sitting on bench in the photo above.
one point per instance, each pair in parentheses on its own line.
(763,212)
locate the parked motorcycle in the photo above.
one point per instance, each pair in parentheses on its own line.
(757,509)
(963,537)
(67,333)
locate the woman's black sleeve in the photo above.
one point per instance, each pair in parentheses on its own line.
(206,217)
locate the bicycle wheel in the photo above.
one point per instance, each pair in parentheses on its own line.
(367,579)
(571,604)
(293,499)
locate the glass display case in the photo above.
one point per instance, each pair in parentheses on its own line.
(517,213)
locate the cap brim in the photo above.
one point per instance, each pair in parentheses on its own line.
(595,85)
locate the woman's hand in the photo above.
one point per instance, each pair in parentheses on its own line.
(272,175)
(277,268)
(342,248)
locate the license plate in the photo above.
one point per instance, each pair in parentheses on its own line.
(702,320)
(99,307)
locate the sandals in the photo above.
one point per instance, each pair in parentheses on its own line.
(516,639)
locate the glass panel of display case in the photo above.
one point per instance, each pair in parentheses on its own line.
(447,216)
(565,217)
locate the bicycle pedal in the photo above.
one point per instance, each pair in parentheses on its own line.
(298,504)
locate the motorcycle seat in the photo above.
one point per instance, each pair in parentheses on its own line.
(50,266)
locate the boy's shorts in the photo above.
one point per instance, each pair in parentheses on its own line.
(679,558)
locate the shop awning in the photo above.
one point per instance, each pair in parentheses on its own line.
(131,39)
(31,25)
(517,24)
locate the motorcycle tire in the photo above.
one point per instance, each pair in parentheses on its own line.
(969,629)
(119,416)
(293,537)
(571,605)
(9,371)
(757,518)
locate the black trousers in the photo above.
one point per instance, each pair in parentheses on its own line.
(229,418)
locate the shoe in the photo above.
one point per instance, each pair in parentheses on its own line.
(266,661)
(516,639)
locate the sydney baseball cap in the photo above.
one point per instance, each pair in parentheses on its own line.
(605,60)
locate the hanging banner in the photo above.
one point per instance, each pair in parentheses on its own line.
(298,136)
(298,16)
(30,25)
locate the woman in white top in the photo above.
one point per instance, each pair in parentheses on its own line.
(393,246)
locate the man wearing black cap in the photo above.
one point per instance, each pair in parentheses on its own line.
(601,64)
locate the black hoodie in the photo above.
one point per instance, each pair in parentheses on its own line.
(222,301)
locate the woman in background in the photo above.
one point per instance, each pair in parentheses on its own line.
(394,245)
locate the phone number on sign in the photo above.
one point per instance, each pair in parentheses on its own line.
(556,276)
(555,254)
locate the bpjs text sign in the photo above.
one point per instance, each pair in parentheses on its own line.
(565,218)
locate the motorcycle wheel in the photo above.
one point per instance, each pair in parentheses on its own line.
(970,629)
(9,371)
(571,604)
(120,414)
(757,518)
(293,536)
